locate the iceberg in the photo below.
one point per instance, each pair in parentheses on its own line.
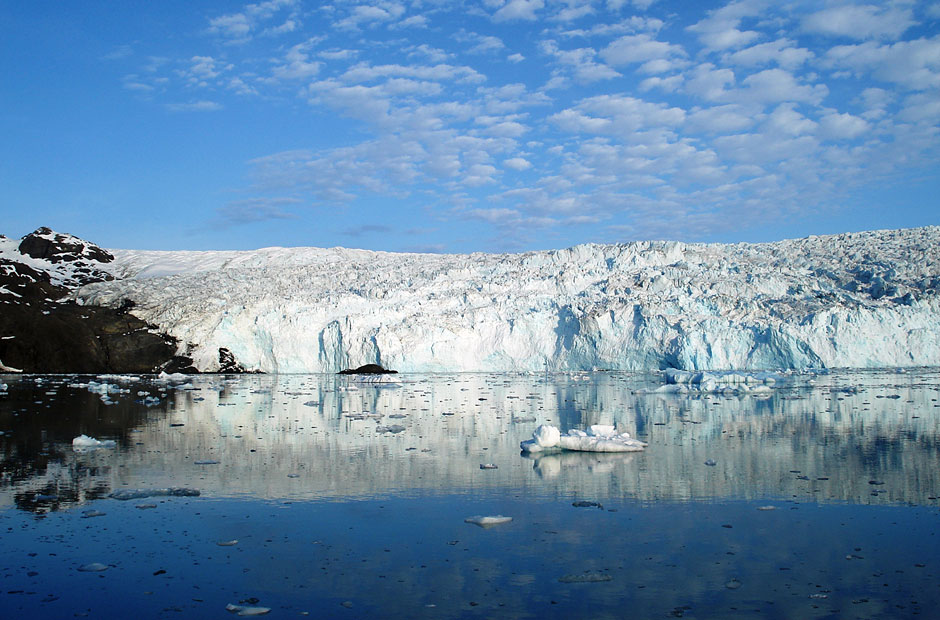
(598,438)
(84,442)
(485,522)
(861,300)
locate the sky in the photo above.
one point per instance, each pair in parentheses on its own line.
(464,126)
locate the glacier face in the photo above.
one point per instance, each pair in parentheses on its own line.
(854,300)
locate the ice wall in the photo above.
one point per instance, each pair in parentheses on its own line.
(855,300)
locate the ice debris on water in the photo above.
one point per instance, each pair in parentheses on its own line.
(724,382)
(585,577)
(487,521)
(394,428)
(598,438)
(94,567)
(88,514)
(84,442)
(126,494)
(241,610)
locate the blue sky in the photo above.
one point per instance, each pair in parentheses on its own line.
(487,125)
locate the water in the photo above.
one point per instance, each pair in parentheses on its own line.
(818,501)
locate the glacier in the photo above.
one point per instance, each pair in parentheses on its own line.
(863,300)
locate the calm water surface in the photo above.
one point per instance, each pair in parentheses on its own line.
(338,499)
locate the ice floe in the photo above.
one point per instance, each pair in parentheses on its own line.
(126,494)
(84,442)
(241,610)
(484,521)
(598,438)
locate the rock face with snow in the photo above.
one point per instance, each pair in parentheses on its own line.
(855,300)
(43,330)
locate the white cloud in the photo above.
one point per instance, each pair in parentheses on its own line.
(366,15)
(669,85)
(234,26)
(719,31)
(921,108)
(580,62)
(480,44)
(875,102)
(785,120)
(415,21)
(709,82)
(194,106)
(640,48)
(365,72)
(297,64)
(860,21)
(731,118)
(782,52)
(518,9)
(238,27)
(842,126)
(773,85)
(517,163)
(912,64)
(573,9)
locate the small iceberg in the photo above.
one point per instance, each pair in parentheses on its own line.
(128,494)
(241,610)
(94,567)
(598,438)
(487,521)
(84,442)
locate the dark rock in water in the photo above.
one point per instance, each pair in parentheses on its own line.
(56,247)
(229,365)
(368,369)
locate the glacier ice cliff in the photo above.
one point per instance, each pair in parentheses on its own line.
(868,299)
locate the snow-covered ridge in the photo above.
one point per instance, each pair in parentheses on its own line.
(854,300)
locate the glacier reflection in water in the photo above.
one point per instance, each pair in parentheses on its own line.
(825,437)
(336,493)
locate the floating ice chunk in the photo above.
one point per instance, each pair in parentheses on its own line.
(240,610)
(588,443)
(600,438)
(88,514)
(176,376)
(394,428)
(586,577)
(94,567)
(126,494)
(487,521)
(84,442)
(731,382)
(545,436)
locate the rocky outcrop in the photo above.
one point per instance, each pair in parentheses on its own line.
(43,330)
(368,369)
